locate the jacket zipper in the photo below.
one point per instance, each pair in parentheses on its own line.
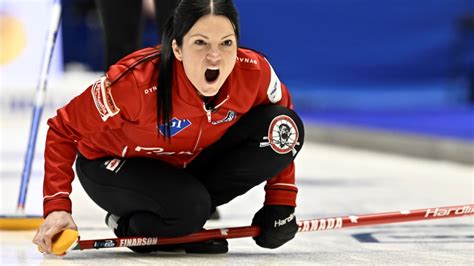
(209,112)
(209,119)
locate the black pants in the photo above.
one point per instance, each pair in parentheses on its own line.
(122,25)
(180,200)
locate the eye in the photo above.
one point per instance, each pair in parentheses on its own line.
(227,43)
(199,42)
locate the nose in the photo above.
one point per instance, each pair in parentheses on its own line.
(214,56)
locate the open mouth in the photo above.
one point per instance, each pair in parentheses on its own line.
(211,74)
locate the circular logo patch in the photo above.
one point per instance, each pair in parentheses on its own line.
(283,134)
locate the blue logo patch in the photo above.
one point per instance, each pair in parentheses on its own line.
(177,125)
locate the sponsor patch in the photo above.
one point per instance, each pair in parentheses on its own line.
(247,60)
(150,90)
(282,135)
(104,244)
(161,151)
(114,165)
(177,125)
(231,115)
(103,100)
(274,88)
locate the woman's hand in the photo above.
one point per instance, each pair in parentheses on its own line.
(54,223)
(277,224)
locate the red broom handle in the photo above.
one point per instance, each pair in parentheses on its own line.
(303,226)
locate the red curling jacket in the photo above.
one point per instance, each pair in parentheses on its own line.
(120,121)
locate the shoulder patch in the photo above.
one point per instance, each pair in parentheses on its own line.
(103,100)
(274,87)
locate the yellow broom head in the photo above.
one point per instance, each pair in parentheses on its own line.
(20,222)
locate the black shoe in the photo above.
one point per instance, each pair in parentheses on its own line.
(214,246)
(118,227)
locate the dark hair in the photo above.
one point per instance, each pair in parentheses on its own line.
(179,23)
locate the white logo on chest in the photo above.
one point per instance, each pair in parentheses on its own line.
(160,151)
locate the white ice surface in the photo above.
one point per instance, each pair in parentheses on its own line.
(332,181)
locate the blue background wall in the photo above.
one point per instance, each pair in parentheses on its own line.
(385,64)
(334,46)
(382,51)
(361,42)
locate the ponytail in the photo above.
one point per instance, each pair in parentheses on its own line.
(165,80)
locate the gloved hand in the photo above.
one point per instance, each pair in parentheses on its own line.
(277,223)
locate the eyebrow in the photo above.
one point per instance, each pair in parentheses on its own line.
(205,37)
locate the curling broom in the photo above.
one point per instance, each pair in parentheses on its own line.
(69,239)
(20,221)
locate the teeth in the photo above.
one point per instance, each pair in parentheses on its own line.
(213,68)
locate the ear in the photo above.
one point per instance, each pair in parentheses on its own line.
(177,51)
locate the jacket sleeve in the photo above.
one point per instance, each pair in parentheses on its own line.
(281,189)
(99,108)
